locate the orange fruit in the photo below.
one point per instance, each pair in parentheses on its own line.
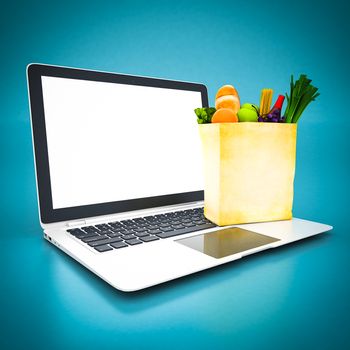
(226,90)
(228,101)
(224,115)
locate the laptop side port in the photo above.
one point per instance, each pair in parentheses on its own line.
(47,236)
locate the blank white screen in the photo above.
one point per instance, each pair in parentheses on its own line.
(109,142)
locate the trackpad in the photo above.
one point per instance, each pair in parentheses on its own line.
(229,241)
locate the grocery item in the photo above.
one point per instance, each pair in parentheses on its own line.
(228,101)
(274,115)
(301,94)
(227,97)
(226,90)
(248,113)
(224,115)
(265,101)
(204,114)
(227,105)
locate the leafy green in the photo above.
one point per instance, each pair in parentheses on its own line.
(204,114)
(301,94)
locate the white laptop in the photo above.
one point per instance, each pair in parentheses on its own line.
(119,178)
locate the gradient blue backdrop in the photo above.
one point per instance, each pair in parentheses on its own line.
(294,297)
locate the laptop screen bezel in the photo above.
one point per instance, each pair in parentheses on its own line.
(47,213)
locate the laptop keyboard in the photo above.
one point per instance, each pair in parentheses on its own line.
(125,233)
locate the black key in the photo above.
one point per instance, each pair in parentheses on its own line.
(197,221)
(115,225)
(130,226)
(153,232)
(142,225)
(177,226)
(149,238)
(167,229)
(128,232)
(129,237)
(188,224)
(114,229)
(158,216)
(104,241)
(140,229)
(184,230)
(141,234)
(153,223)
(85,235)
(127,222)
(150,219)
(117,239)
(119,245)
(114,234)
(153,227)
(133,241)
(175,222)
(104,232)
(93,231)
(103,248)
(102,226)
(91,238)
(95,238)
(89,228)
(138,220)
(201,222)
(76,231)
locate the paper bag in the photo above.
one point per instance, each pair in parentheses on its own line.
(248,171)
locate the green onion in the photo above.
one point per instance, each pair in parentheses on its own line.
(301,94)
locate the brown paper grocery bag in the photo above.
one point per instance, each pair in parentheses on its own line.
(248,171)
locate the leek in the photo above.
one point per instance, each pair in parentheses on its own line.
(301,94)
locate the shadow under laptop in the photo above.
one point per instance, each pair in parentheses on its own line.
(274,262)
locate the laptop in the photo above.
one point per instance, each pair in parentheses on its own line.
(119,178)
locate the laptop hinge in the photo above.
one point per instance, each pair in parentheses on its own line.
(76,223)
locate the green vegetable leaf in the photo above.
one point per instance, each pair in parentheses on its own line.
(204,114)
(301,94)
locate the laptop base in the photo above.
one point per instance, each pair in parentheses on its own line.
(143,266)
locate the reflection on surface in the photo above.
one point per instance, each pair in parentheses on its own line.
(226,242)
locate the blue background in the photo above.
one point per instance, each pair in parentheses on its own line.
(293,297)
